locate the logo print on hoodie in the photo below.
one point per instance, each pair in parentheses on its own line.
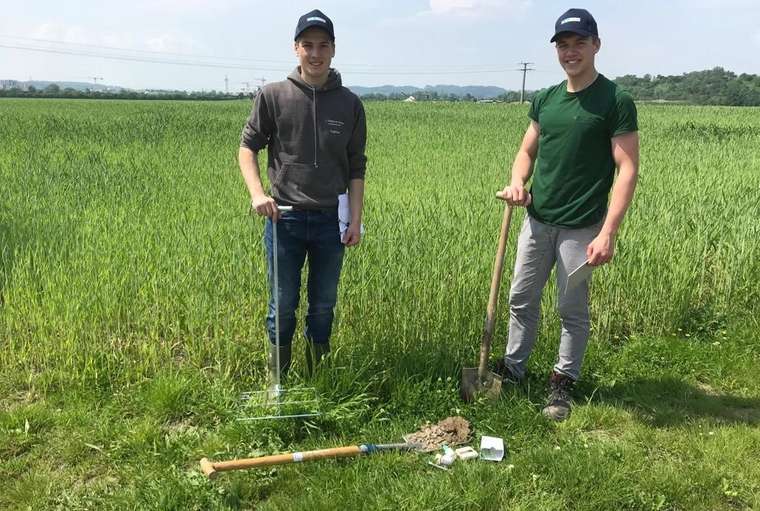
(335,126)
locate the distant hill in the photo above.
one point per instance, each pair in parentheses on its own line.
(476,91)
(79,86)
(715,86)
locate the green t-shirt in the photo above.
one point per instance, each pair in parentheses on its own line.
(574,167)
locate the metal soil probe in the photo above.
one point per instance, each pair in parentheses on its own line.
(284,403)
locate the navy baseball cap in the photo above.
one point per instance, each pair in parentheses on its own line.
(577,21)
(315,18)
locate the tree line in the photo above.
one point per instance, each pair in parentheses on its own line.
(716,86)
(55,91)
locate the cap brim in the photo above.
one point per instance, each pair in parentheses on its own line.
(579,31)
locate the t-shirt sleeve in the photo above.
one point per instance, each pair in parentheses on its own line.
(259,127)
(625,117)
(535,106)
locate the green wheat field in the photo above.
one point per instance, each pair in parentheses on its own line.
(132,288)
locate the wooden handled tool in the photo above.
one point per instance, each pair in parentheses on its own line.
(211,468)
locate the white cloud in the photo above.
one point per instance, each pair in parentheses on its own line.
(447,6)
(212,7)
(477,8)
(173,42)
(169,42)
(60,32)
(722,4)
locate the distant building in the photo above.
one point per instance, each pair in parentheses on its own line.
(9,84)
(410,99)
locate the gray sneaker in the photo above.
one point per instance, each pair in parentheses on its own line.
(560,403)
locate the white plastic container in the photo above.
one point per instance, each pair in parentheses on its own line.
(466,453)
(491,448)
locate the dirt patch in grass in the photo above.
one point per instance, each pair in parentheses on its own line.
(450,431)
(18,400)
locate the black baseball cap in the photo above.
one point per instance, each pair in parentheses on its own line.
(577,21)
(315,18)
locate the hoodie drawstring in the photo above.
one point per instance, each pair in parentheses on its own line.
(314,115)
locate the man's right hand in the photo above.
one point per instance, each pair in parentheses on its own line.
(515,195)
(266,206)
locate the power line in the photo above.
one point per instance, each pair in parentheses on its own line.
(76,47)
(130,50)
(129,58)
(220,62)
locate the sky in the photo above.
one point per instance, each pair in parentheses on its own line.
(195,44)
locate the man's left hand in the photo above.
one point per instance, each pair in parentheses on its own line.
(353,234)
(601,250)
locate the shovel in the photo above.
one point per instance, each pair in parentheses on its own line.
(480,380)
(211,469)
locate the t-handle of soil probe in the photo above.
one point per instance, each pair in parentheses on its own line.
(280,210)
(493,297)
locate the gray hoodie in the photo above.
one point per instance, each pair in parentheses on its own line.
(315,139)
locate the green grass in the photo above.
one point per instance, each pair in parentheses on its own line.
(133,289)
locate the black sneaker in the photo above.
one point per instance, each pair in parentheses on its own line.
(507,376)
(560,402)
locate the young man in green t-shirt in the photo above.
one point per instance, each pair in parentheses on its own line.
(580,132)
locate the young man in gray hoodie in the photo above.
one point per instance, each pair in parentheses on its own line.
(314,130)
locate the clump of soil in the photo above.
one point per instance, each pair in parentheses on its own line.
(450,431)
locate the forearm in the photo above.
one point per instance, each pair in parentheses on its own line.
(356,199)
(522,168)
(249,168)
(622,195)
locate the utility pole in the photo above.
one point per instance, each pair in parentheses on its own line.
(247,88)
(263,82)
(524,70)
(226,85)
(95,79)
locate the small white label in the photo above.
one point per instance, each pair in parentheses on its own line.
(316,18)
(297,456)
(570,20)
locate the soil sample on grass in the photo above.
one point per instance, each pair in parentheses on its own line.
(451,431)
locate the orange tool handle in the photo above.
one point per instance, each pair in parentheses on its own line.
(211,468)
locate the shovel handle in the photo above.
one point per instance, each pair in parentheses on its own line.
(493,297)
(212,468)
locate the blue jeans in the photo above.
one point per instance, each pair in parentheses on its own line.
(302,234)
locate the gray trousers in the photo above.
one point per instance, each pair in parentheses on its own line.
(539,247)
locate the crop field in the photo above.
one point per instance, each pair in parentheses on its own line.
(133,289)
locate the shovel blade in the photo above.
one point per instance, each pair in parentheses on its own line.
(473,386)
